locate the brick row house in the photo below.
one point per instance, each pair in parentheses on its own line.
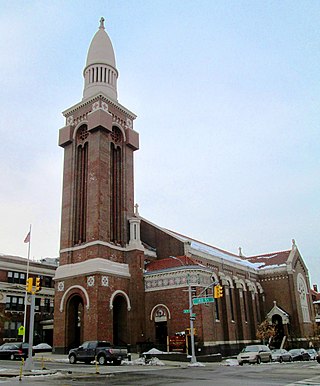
(13,274)
(124,279)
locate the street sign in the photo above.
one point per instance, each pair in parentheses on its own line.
(186,311)
(208,299)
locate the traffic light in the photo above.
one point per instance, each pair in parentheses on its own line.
(29,284)
(38,284)
(217,292)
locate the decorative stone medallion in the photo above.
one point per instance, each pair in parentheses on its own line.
(90,281)
(70,120)
(61,286)
(104,281)
(129,123)
(104,106)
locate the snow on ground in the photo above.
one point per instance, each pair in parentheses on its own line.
(154,351)
(230,362)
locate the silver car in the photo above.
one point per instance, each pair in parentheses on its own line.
(254,354)
(281,355)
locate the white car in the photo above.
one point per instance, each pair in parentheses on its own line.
(254,354)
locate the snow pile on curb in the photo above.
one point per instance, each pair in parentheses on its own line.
(230,362)
(196,364)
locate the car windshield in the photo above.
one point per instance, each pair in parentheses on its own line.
(295,351)
(251,349)
(276,351)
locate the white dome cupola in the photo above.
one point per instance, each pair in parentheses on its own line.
(100,73)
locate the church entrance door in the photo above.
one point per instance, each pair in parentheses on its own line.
(74,322)
(120,330)
(161,335)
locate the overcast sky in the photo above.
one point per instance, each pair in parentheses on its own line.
(227,96)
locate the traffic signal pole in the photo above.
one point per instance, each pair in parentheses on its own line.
(193,355)
(29,361)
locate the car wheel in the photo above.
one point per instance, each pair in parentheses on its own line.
(72,359)
(258,360)
(117,362)
(241,363)
(280,359)
(102,360)
(12,357)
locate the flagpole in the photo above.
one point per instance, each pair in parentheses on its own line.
(26,293)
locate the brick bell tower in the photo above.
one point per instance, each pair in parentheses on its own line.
(99,282)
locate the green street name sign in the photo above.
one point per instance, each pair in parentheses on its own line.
(186,311)
(208,299)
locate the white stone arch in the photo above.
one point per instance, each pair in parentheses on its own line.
(251,286)
(157,306)
(259,286)
(214,277)
(82,123)
(119,292)
(229,281)
(242,284)
(115,124)
(303,292)
(71,288)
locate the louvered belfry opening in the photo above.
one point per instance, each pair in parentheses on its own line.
(81,177)
(116,205)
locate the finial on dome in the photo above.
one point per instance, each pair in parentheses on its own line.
(101,23)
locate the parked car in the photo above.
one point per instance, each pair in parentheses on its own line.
(299,354)
(23,348)
(42,347)
(313,353)
(281,355)
(8,351)
(102,351)
(254,354)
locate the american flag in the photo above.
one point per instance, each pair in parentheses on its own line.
(27,239)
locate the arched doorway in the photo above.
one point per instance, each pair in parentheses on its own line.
(161,328)
(279,330)
(120,330)
(74,322)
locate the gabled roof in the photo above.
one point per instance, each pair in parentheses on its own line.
(257,262)
(270,260)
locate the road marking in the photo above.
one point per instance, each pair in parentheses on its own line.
(315,381)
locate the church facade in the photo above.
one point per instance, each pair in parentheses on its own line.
(124,279)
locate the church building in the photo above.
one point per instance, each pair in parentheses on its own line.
(126,280)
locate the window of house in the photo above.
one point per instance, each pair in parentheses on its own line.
(10,329)
(14,303)
(16,277)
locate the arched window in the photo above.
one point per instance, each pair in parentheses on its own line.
(116,186)
(302,290)
(81,172)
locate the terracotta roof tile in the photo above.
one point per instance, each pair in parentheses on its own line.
(169,262)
